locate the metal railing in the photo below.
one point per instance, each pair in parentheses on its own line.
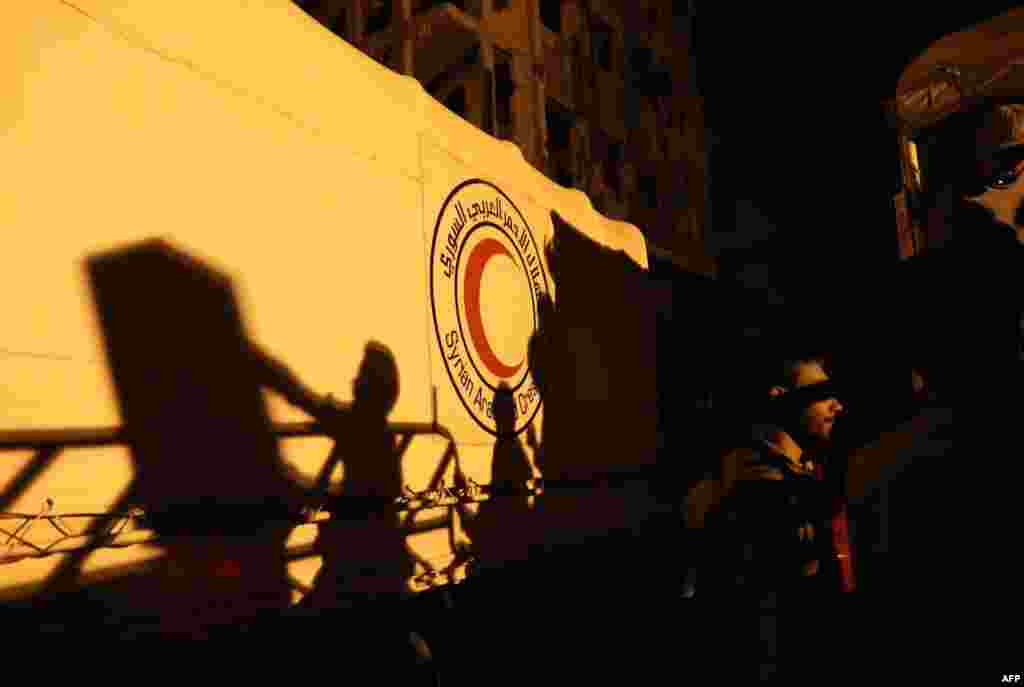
(110,529)
(126,525)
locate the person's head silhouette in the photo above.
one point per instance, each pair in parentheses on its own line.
(504,411)
(375,389)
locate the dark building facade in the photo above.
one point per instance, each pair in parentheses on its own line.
(600,95)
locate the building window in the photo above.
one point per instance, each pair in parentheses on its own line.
(504,89)
(378,15)
(565,177)
(449,87)
(488,113)
(559,126)
(694,34)
(613,167)
(339,25)
(663,83)
(640,61)
(601,38)
(456,101)
(551,14)
(647,185)
(559,123)
(454,72)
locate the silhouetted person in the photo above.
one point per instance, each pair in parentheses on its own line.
(973,179)
(500,531)
(364,552)
(557,453)
(553,367)
(776,549)
(366,563)
(973,187)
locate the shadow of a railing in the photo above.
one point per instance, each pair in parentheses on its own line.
(111,525)
(109,529)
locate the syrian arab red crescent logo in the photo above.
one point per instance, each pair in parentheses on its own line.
(486,276)
(483,252)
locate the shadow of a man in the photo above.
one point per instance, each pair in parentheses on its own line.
(500,531)
(364,552)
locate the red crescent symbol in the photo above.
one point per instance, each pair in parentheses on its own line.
(482,253)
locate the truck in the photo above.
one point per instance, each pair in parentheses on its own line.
(955,74)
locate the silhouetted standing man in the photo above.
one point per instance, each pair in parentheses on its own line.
(781,550)
(366,563)
(364,551)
